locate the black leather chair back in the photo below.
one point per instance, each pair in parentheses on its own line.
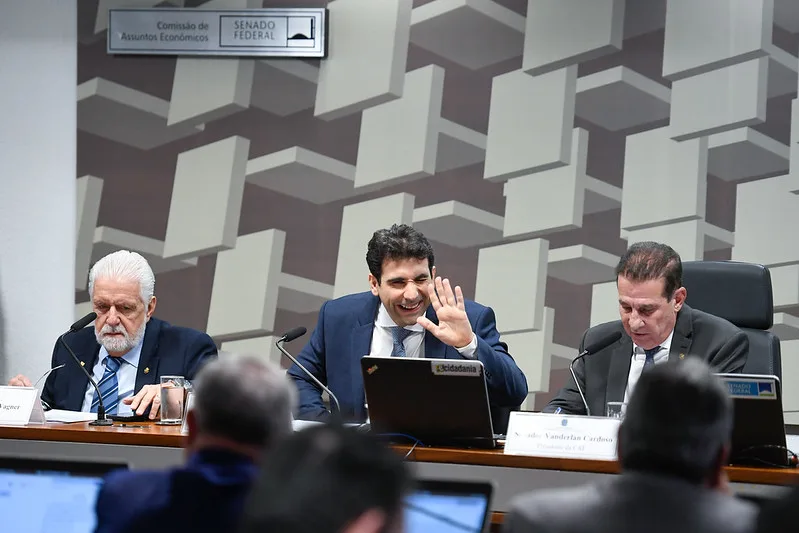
(740,293)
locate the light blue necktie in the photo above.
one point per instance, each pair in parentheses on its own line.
(649,363)
(399,334)
(109,387)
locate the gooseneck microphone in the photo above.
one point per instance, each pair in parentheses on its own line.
(599,344)
(77,326)
(289,336)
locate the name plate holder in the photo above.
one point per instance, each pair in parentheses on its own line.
(20,406)
(562,436)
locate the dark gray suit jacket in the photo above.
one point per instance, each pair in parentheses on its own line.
(631,502)
(603,375)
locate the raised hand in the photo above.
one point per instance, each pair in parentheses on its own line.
(453,326)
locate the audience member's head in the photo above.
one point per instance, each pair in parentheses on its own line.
(649,282)
(678,423)
(121,287)
(328,479)
(241,402)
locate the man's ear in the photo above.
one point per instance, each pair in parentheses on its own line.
(679,298)
(151,307)
(373,284)
(371,521)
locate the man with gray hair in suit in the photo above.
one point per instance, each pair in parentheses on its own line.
(673,444)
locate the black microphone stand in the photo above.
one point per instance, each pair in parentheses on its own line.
(101,418)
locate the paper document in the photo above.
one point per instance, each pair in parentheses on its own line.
(59,415)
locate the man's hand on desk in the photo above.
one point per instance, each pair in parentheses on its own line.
(20,381)
(148,396)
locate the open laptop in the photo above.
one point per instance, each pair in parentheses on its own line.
(437,401)
(758,435)
(439,506)
(40,495)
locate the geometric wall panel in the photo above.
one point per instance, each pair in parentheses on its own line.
(206,198)
(302,295)
(458,224)
(786,15)
(785,286)
(263,347)
(551,200)
(790,380)
(691,238)
(108,240)
(368,65)
(697,108)
(745,154)
(284,86)
(581,264)
(358,223)
(767,208)
(113,111)
(472,33)
(103,6)
(664,180)
(89,192)
(429,142)
(794,159)
(302,174)
(513,278)
(619,98)
(604,303)
(703,36)
(559,34)
(245,290)
(529,134)
(226,87)
(531,351)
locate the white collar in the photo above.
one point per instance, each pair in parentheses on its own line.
(384,320)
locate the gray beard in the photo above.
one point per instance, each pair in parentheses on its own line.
(124,344)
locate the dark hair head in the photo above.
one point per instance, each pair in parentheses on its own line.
(677,422)
(400,241)
(322,478)
(645,261)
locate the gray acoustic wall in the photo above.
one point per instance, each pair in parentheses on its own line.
(531,141)
(38,54)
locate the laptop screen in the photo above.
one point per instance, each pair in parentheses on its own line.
(448,507)
(45,496)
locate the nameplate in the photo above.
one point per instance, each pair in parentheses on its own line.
(18,406)
(278,32)
(565,436)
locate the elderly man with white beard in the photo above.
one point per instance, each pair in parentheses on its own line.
(127,350)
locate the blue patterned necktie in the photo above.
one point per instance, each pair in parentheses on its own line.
(109,387)
(399,334)
(650,357)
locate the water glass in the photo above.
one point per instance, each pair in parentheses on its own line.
(615,410)
(173,391)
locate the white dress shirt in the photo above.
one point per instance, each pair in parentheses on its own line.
(637,364)
(383,340)
(126,378)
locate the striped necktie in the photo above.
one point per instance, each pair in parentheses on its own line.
(399,334)
(109,387)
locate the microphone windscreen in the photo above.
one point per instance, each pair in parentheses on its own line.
(294,333)
(603,342)
(83,322)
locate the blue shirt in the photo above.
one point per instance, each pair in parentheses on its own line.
(126,377)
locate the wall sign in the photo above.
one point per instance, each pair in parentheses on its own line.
(300,32)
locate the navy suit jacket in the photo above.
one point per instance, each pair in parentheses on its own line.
(343,335)
(167,350)
(207,494)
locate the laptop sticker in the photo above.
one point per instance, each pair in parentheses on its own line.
(455,369)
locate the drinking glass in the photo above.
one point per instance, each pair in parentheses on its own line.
(615,410)
(173,391)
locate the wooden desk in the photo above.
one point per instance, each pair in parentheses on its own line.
(153,446)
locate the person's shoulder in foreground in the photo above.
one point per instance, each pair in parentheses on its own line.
(242,408)
(673,444)
(328,479)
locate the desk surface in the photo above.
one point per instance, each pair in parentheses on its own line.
(150,434)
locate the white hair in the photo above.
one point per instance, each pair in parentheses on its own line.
(127,266)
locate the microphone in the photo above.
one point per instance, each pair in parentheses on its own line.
(599,344)
(77,326)
(289,336)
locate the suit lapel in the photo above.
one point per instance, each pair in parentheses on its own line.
(683,335)
(361,345)
(148,360)
(620,361)
(433,347)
